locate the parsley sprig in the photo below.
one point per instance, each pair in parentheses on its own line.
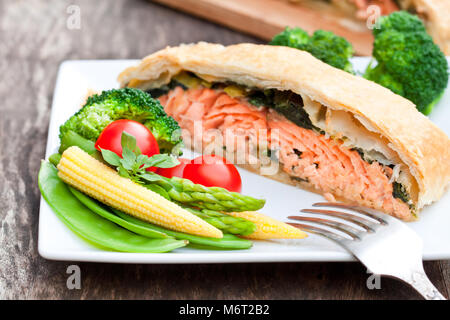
(133,163)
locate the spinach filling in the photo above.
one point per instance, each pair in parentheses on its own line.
(287,103)
(298,179)
(158,92)
(399,192)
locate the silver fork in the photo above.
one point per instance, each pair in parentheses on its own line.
(385,245)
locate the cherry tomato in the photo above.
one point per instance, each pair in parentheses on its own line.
(175,171)
(111,137)
(213,171)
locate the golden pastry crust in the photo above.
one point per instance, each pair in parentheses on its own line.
(420,144)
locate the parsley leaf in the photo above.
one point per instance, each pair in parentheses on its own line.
(123,172)
(133,163)
(158,189)
(128,141)
(162,161)
(150,176)
(128,158)
(110,157)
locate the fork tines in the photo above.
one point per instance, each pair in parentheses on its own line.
(366,221)
(363,211)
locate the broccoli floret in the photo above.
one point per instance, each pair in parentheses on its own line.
(331,49)
(401,21)
(324,45)
(127,103)
(409,63)
(294,38)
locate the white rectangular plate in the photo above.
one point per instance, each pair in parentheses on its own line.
(57,242)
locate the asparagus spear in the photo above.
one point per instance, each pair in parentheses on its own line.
(211,198)
(226,223)
(219,220)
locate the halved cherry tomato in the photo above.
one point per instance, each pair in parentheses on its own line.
(111,137)
(213,171)
(174,171)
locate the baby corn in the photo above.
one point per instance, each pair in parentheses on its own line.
(268,228)
(85,173)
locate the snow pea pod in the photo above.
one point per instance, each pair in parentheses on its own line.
(228,241)
(71,138)
(91,226)
(96,207)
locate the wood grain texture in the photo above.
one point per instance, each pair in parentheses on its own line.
(265,18)
(34,41)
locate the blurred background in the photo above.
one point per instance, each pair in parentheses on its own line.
(351,19)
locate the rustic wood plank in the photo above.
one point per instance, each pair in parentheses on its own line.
(34,41)
(265,18)
(444,271)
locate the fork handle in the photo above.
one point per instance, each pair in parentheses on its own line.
(419,281)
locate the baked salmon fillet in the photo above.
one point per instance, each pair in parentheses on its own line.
(284,114)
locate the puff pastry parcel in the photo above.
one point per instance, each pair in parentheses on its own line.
(324,129)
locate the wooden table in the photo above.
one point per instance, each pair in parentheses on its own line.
(35,39)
